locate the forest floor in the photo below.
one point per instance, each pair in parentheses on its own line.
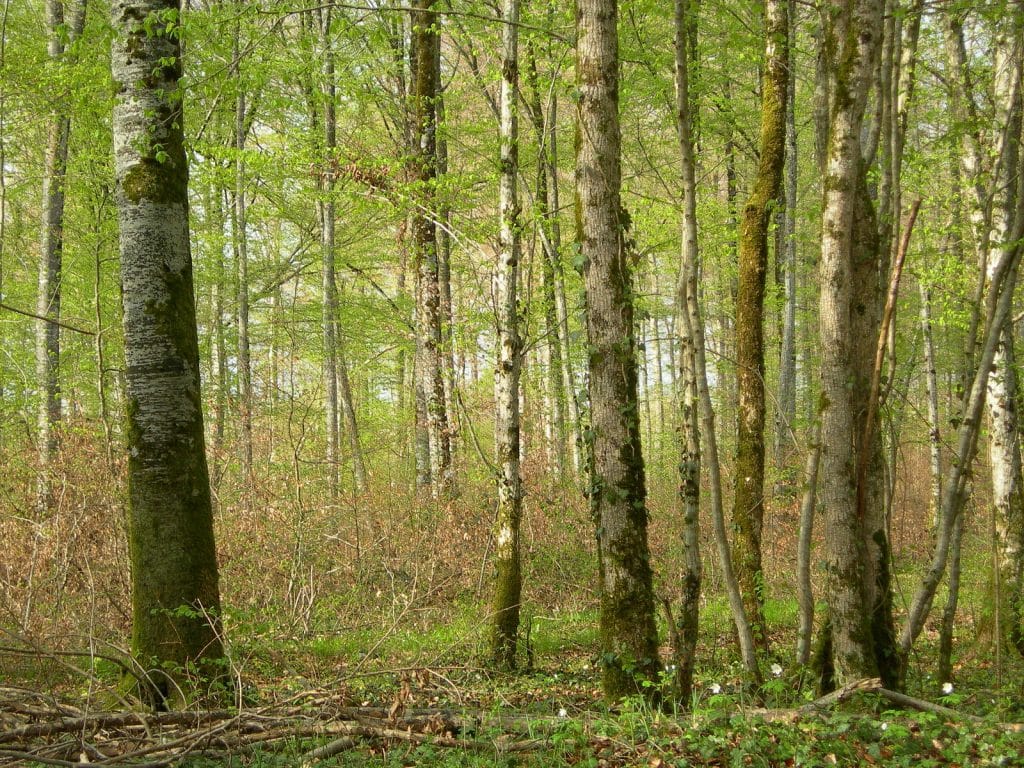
(359,630)
(324,703)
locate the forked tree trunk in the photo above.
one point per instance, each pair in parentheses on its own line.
(852,41)
(508,584)
(748,500)
(618,492)
(175,596)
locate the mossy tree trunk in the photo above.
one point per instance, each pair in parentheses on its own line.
(748,502)
(428,312)
(618,494)
(175,596)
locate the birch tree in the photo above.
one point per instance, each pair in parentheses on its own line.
(175,595)
(508,586)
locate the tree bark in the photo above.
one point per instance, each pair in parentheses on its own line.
(689,392)
(176,629)
(690,326)
(852,40)
(425,89)
(241,249)
(748,502)
(508,365)
(618,493)
(786,410)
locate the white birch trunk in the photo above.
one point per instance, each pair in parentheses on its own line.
(508,366)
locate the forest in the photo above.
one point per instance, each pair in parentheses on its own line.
(511,382)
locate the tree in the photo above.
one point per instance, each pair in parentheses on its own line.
(175,595)
(852,37)
(691,357)
(508,365)
(428,311)
(618,492)
(748,504)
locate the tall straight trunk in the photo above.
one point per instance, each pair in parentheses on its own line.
(748,503)
(785,417)
(429,325)
(618,492)
(852,40)
(176,628)
(327,244)
(52,253)
(508,584)
(240,242)
(689,393)
(220,353)
(554,385)
(444,270)
(932,394)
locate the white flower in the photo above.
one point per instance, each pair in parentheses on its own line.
(563,712)
(947,688)
(716,688)
(776,669)
(885,726)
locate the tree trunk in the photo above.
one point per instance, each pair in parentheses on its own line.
(618,494)
(691,345)
(348,414)
(425,89)
(932,393)
(748,504)
(175,596)
(241,248)
(852,40)
(51,255)
(508,584)
(805,593)
(690,326)
(785,419)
